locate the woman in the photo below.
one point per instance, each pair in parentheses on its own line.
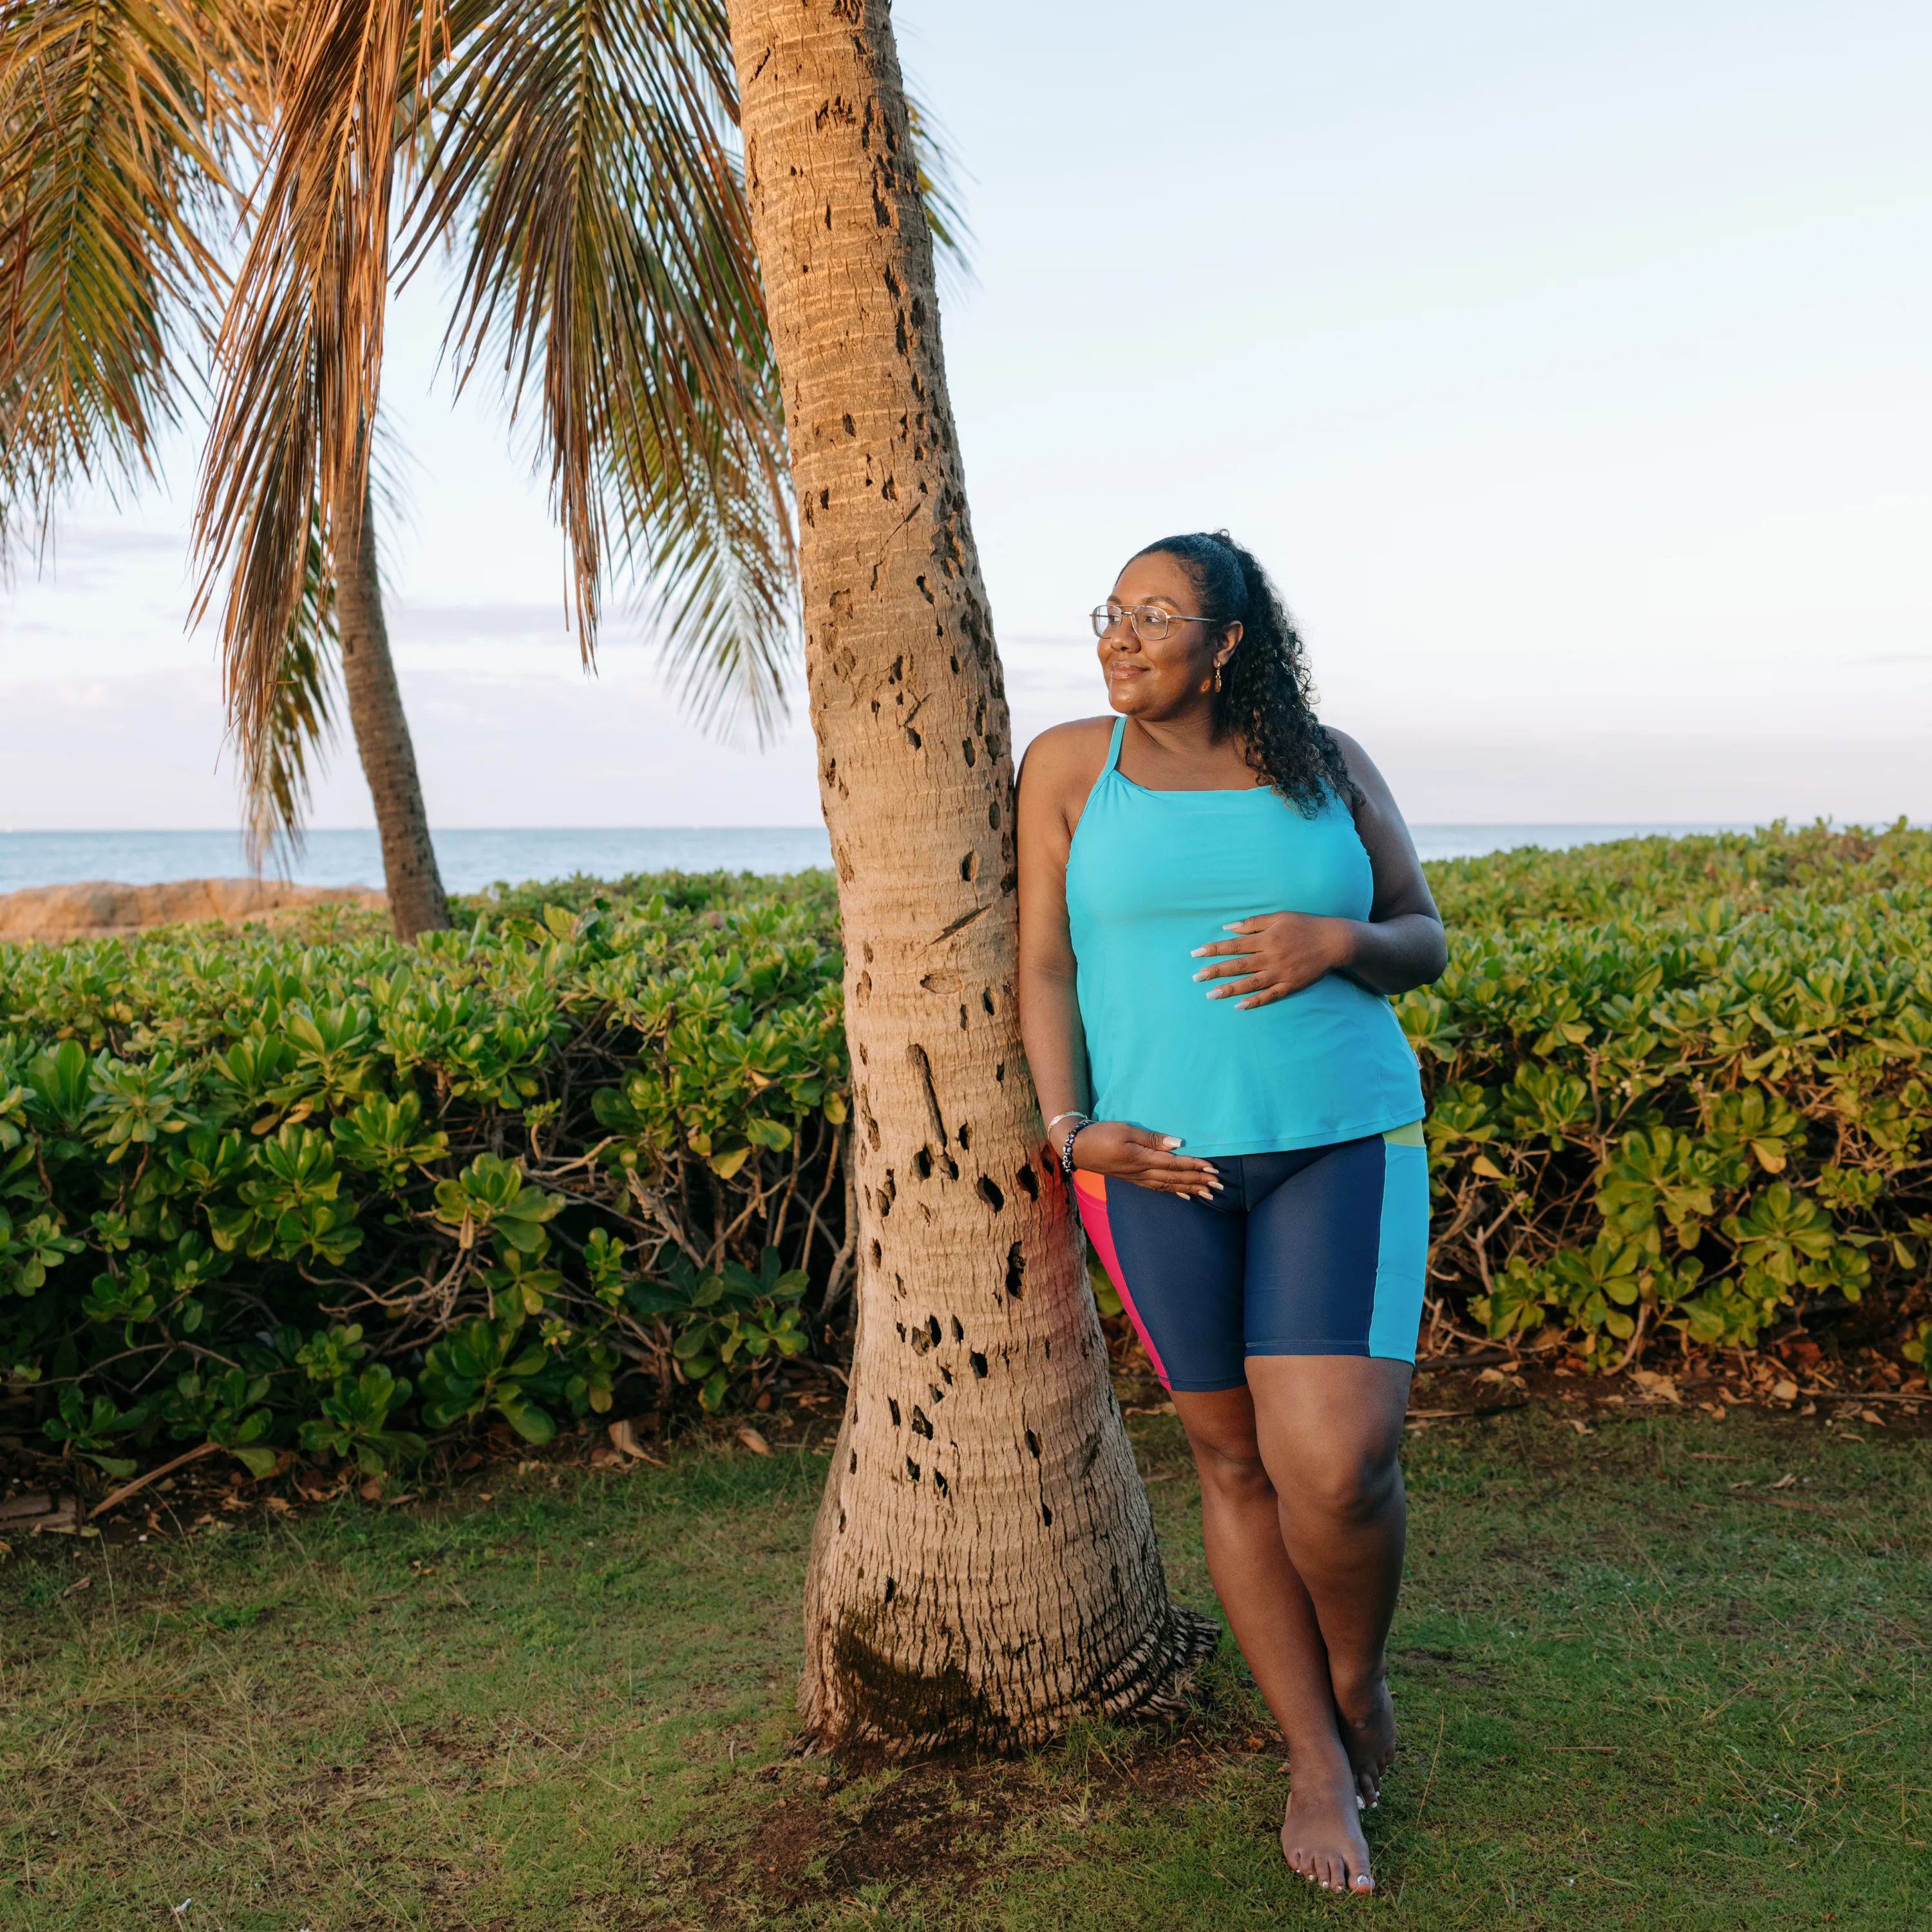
(1217,895)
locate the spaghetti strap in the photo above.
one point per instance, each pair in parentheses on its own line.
(1114,749)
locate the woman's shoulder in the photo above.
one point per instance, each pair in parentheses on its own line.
(1064,755)
(1371,786)
(1060,768)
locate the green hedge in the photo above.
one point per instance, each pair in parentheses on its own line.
(1680,1086)
(1648,878)
(314,1189)
(331,1192)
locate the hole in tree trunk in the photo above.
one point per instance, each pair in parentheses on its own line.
(978,1362)
(990,1193)
(1015,1271)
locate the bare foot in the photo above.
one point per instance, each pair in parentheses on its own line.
(1366,1721)
(1322,1834)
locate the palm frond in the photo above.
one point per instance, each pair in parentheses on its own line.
(579,157)
(584,164)
(299,359)
(708,547)
(276,761)
(114,151)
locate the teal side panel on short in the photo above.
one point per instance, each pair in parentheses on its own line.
(1402,1255)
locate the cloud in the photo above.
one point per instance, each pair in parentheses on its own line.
(454,623)
(109,543)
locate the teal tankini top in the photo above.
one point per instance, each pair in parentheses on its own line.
(1153,874)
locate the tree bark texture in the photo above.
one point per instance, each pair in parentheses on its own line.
(984,1566)
(416,902)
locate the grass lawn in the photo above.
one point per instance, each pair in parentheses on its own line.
(1633,1691)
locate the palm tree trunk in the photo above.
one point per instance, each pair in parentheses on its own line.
(416,903)
(984,1565)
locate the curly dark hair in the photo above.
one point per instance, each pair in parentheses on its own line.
(1265,698)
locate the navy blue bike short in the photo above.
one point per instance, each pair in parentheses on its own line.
(1319,1251)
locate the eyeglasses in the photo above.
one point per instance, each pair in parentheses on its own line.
(1148,622)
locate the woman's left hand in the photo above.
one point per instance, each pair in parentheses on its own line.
(1275,954)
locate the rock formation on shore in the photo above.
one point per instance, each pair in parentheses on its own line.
(101,909)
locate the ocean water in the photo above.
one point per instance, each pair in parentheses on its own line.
(471,861)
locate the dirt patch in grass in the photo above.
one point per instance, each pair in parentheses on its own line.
(943,1825)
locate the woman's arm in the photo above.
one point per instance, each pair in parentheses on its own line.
(1056,1047)
(1399,945)
(1058,772)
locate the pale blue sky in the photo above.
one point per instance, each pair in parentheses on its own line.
(1567,366)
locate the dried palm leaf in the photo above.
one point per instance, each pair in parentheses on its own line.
(299,359)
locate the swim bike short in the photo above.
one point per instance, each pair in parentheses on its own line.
(1319,1251)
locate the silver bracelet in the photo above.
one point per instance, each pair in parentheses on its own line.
(1072,1114)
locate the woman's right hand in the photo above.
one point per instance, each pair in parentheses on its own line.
(1147,1159)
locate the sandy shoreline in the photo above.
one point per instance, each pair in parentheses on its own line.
(106,909)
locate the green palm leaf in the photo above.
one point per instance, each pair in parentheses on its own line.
(584,165)
(275,763)
(113,153)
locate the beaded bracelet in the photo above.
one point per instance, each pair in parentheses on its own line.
(1066,1150)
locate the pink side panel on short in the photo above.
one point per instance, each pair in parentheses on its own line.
(1090,1190)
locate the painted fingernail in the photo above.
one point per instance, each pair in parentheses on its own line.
(1170,1140)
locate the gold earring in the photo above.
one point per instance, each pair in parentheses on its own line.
(1217,677)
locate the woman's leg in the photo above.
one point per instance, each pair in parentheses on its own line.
(1336,1246)
(1275,1623)
(1186,1273)
(1329,1428)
